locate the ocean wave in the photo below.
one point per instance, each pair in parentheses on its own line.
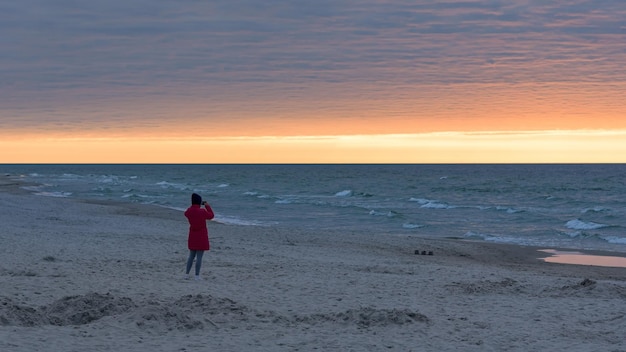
(409,226)
(103,190)
(582,235)
(70,177)
(492,238)
(179,186)
(54,194)
(389,214)
(232,220)
(578,224)
(108,179)
(431,204)
(344,193)
(579,234)
(614,239)
(472,234)
(39,191)
(172,207)
(135,196)
(531,210)
(283,201)
(502,239)
(509,210)
(350,193)
(597,209)
(33,188)
(257,195)
(437,205)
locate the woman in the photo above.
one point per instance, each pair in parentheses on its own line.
(198,240)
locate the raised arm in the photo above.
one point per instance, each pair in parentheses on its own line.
(210,213)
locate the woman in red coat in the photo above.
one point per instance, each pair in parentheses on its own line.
(198,240)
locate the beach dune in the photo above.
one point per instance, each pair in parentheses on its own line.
(78,276)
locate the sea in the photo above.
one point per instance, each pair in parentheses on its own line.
(548,205)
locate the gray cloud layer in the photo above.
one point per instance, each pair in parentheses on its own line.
(86,54)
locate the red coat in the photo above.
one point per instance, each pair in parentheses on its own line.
(198,233)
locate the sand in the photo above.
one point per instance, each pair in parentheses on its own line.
(86,276)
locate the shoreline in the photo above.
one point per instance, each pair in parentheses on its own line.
(108,275)
(534,253)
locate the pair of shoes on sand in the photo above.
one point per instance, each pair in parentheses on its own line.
(197,277)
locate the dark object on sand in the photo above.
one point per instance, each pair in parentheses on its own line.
(417,251)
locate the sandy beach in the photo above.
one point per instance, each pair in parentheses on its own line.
(85,276)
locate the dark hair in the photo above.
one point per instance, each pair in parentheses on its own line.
(196,199)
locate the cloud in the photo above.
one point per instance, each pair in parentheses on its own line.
(77,62)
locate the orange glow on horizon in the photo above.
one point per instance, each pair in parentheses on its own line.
(392,110)
(315,126)
(463,123)
(582,146)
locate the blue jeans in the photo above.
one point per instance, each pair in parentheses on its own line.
(198,256)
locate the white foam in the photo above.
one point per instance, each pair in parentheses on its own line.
(54,194)
(135,195)
(471,234)
(389,214)
(165,184)
(108,179)
(69,177)
(614,239)
(32,188)
(409,225)
(436,205)
(344,193)
(231,220)
(174,208)
(574,234)
(578,224)
(499,239)
(420,200)
(596,209)
(508,210)
(431,204)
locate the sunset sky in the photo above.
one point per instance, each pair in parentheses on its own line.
(325,81)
